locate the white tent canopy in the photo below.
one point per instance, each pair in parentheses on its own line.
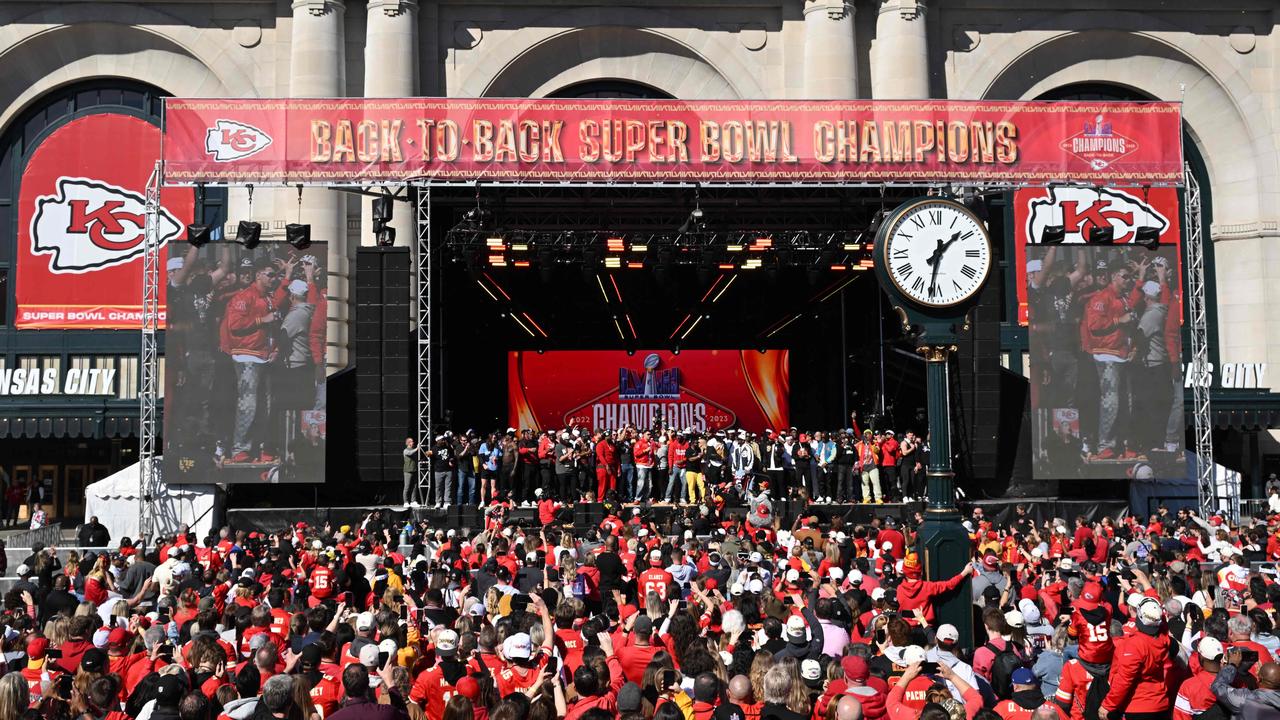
(114,499)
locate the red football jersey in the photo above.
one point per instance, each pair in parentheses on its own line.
(654,579)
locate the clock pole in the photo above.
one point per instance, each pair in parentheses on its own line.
(944,545)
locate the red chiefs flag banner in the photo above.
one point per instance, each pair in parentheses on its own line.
(368,140)
(608,389)
(81,219)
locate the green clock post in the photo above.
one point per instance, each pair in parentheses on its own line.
(932,256)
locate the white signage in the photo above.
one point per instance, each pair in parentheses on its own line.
(35,381)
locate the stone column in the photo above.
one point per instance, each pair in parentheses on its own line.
(317,69)
(900,53)
(391,71)
(830,62)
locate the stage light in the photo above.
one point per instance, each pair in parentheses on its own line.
(726,266)
(852,247)
(199,235)
(521,263)
(634,264)
(734,248)
(519,247)
(613,262)
(248,234)
(876,220)
(1053,235)
(298,235)
(495,241)
(383,209)
(751,263)
(498,260)
(386,236)
(616,244)
(866,263)
(839,267)
(762,243)
(675,350)
(1102,234)
(639,248)
(1147,236)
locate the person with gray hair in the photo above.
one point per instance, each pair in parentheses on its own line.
(848,708)
(277,695)
(777,693)
(1240,630)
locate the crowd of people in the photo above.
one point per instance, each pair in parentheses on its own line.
(707,615)
(665,465)
(1104,324)
(255,323)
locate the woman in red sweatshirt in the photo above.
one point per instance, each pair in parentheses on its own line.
(916,593)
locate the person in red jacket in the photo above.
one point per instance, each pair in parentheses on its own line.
(1195,695)
(1105,334)
(606,465)
(916,593)
(247,335)
(1091,626)
(892,535)
(1139,685)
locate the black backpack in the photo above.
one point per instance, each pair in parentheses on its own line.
(1002,666)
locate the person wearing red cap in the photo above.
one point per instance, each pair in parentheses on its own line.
(914,592)
(1091,626)
(872,692)
(35,671)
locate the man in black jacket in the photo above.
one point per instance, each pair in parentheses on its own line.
(93,534)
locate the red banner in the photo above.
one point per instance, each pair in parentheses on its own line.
(81,219)
(606,389)
(1077,209)
(346,141)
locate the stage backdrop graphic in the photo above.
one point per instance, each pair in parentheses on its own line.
(81,220)
(368,140)
(1105,366)
(1077,209)
(245,393)
(607,389)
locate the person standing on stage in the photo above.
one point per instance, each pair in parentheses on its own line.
(742,461)
(412,494)
(773,462)
(660,461)
(825,481)
(626,464)
(868,453)
(606,465)
(490,462)
(846,457)
(642,451)
(565,472)
(713,463)
(546,461)
(527,456)
(509,467)
(442,466)
(889,458)
(909,455)
(693,463)
(676,449)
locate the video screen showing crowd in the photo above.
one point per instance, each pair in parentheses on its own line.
(1105,366)
(245,372)
(661,465)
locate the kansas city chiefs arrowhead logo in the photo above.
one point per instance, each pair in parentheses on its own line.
(90,224)
(229,140)
(1076,209)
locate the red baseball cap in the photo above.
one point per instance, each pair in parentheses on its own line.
(991,562)
(37,648)
(118,637)
(1090,596)
(855,668)
(468,687)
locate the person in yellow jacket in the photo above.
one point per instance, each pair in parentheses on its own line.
(869,466)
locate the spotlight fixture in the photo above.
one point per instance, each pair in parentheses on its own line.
(1053,235)
(1102,234)
(1147,236)
(248,234)
(298,235)
(199,235)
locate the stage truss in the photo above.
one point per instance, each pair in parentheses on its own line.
(811,245)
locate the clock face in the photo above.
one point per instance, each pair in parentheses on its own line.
(937,253)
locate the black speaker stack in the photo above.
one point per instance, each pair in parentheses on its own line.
(385,363)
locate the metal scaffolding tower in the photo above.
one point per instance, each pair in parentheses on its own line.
(423,321)
(1211,502)
(148,472)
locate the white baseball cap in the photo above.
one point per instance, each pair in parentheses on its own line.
(877,594)
(755,557)
(811,670)
(1015,619)
(735,589)
(518,646)
(755,586)
(364,621)
(368,655)
(948,633)
(912,654)
(1150,612)
(836,573)
(1210,648)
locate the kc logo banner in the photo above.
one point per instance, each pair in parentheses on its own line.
(90,224)
(1077,209)
(229,140)
(82,221)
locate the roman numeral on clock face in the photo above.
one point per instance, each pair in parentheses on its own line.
(972,252)
(969,272)
(899,253)
(918,285)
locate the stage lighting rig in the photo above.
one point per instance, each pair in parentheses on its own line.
(199,235)
(249,234)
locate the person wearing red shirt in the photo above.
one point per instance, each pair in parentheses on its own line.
(1026,697)
(1091,626)
(432,688)
(892,535)
(889,456)
(326,690)
(606,465)
(1105,333)
(1139,686)
(247,335)
(1073,689)
(35,671)
(1194,695)
(635,656)
(590,688)
(643,450)
(916,593)
(655,579)
(321,580)
(522,669)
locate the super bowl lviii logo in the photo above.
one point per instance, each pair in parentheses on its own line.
(1098,143)
(229,140)
(91,224)
(651,395)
